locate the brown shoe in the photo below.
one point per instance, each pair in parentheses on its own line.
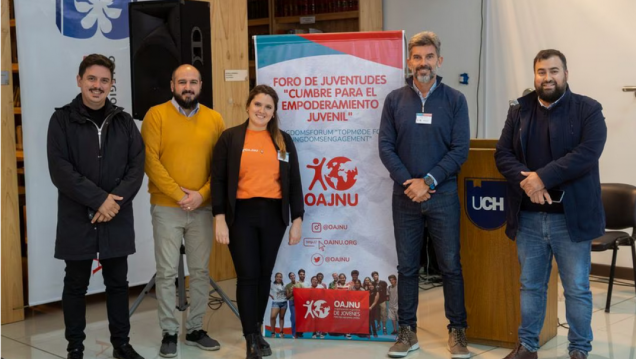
(406,342)
(520,352)
(575,354)
(457,343)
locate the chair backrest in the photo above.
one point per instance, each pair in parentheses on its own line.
(619,202)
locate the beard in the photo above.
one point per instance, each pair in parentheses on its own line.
(425,78)
(551,96)
(186,104)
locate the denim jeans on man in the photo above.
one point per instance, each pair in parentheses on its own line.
(441,216)
(542,235)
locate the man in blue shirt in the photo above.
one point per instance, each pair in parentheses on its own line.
(424,140)
(552,141)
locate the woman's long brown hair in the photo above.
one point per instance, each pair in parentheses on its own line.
(272,125)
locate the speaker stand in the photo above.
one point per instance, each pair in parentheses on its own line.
(183,304)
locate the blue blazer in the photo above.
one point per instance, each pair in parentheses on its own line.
(577,138)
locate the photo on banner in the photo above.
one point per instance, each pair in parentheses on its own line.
(332,89)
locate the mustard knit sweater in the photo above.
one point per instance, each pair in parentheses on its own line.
(179,152)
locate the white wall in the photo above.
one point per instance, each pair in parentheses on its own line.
(593,35)
(457,23)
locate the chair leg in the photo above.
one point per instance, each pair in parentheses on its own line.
(611,280)
(633,245)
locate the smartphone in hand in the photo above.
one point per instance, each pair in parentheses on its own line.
(556,195)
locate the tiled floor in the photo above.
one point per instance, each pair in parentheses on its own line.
(41,335)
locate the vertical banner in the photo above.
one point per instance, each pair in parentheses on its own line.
(53,36)
(332,89)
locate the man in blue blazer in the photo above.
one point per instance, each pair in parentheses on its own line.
(549,151)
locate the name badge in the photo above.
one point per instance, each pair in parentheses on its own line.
(424,118)
(284,158)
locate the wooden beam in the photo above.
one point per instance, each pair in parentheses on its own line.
(371,15)
(12,296)
(229,52)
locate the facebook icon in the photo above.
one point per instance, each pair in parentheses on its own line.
(82,19)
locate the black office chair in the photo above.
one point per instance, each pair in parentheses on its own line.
(619,202)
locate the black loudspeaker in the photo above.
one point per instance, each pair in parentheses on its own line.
(164,35)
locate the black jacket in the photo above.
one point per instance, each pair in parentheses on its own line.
(226,162)
(85,174)
(577,138)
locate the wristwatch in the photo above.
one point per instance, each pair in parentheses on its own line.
(430,182)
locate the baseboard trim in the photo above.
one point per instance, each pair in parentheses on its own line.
(603,270)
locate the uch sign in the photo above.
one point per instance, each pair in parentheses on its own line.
(484,202)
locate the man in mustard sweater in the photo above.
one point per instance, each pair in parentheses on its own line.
(180,136)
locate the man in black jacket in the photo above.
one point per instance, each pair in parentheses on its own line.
(550,146)
(96,161)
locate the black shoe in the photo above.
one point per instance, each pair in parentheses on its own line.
(266,350)
(168,346)
(75,354)
(253,349)
(201,339)
(126,351)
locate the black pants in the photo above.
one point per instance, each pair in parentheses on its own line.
(78,275)
(255,237)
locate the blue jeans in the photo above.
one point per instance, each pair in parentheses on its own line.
(292,309)
(441,214)
(542,235)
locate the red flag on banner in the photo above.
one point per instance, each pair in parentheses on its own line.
(331,311)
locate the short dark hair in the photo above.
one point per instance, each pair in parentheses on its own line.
(99,60)
(290,274)
(301,270)
(355,271)
(374,273)
(392,276)
(425,38)
(546,54)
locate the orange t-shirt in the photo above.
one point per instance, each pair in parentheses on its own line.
(259,175)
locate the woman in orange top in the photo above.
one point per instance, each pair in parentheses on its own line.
(256,193)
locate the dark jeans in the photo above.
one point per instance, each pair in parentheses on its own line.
(78,275)
(292,309)
(441,215)
(255,237)
(374,314)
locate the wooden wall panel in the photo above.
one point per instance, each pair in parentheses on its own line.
(12,296)
(371,15)
(229,52)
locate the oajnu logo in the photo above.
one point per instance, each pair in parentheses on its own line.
(339,174)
